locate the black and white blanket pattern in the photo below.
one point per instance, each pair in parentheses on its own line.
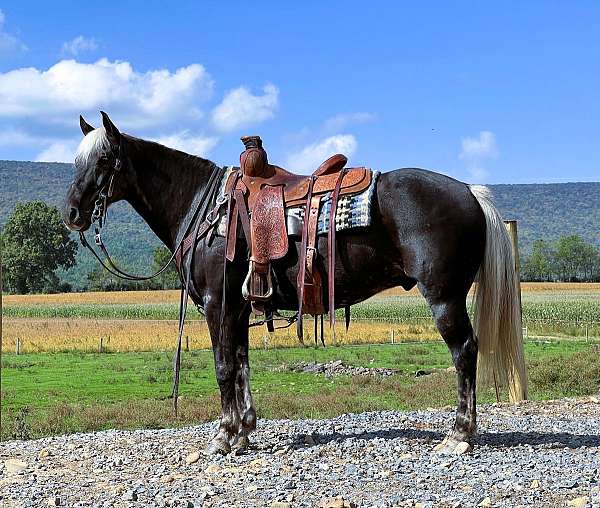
(353,211)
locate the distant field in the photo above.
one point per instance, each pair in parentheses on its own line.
(147,320)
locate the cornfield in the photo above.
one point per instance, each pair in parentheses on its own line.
(147,320)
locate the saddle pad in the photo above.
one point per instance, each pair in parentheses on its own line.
(353,211)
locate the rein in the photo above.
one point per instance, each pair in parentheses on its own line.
(99,220)
(210,220)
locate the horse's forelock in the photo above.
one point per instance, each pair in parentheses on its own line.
(94,143)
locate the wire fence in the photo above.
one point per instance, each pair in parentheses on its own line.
(33,335)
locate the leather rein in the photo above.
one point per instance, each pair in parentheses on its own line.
(99,215)
(211,218)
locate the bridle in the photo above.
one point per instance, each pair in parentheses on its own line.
(99,215)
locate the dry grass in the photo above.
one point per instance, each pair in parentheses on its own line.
(172,296)
(114,297)
(62,417)
(122,335)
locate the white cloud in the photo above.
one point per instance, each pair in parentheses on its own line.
(308,158)
(17,137)
(79,44)
(59,151)
(134,99)
(476,151)
(240,108)
(338,122)
(9,43)
(189,143)
(39,108)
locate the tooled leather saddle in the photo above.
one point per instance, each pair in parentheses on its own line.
(259,194)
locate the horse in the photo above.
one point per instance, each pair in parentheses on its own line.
(427,229)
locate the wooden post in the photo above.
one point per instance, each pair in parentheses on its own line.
(511,225)
(101,345)
(18,346)
(392,336)
(187,343)
(587,336)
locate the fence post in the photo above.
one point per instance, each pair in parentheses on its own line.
(187,343)
(587,337)
(511,226)
(101,345)
(392,335)
(18,346)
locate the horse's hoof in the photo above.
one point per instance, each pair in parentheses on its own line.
(217,447)
(241,445)
(452,446)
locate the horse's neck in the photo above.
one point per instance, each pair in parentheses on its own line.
(162,185)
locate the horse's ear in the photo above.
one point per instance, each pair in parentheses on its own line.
(86,128)
(114,136)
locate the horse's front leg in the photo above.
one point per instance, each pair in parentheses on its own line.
(242,385)
(226,370)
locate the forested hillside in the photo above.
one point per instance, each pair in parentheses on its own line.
(543,210)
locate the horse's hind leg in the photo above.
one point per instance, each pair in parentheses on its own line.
(453,323)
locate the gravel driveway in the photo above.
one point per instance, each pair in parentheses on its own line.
(534,454)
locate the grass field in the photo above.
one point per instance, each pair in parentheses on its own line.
(45,394)
(61,383)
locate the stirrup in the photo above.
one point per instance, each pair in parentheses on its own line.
(257,280)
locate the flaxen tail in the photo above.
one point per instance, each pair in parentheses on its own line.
(497,316)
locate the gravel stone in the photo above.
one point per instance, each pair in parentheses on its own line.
(529,454)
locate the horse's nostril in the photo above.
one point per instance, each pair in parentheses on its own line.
(73,215)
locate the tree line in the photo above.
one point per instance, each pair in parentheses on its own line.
(36,246)
(568,259)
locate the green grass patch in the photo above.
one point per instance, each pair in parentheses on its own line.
(47,394)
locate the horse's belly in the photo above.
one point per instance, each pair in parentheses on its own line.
(366,263)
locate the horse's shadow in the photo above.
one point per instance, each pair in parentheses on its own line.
(491,439)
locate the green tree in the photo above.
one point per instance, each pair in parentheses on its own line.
(35,243)
(169,279)
(540,263)
(575,258)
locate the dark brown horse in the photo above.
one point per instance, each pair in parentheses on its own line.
(427,230)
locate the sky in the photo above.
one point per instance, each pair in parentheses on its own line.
(486,92)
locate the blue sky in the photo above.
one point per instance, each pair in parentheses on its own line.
(502,93)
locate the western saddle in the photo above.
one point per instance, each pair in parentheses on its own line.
(259,194)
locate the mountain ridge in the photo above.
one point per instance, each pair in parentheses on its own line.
(546,210)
